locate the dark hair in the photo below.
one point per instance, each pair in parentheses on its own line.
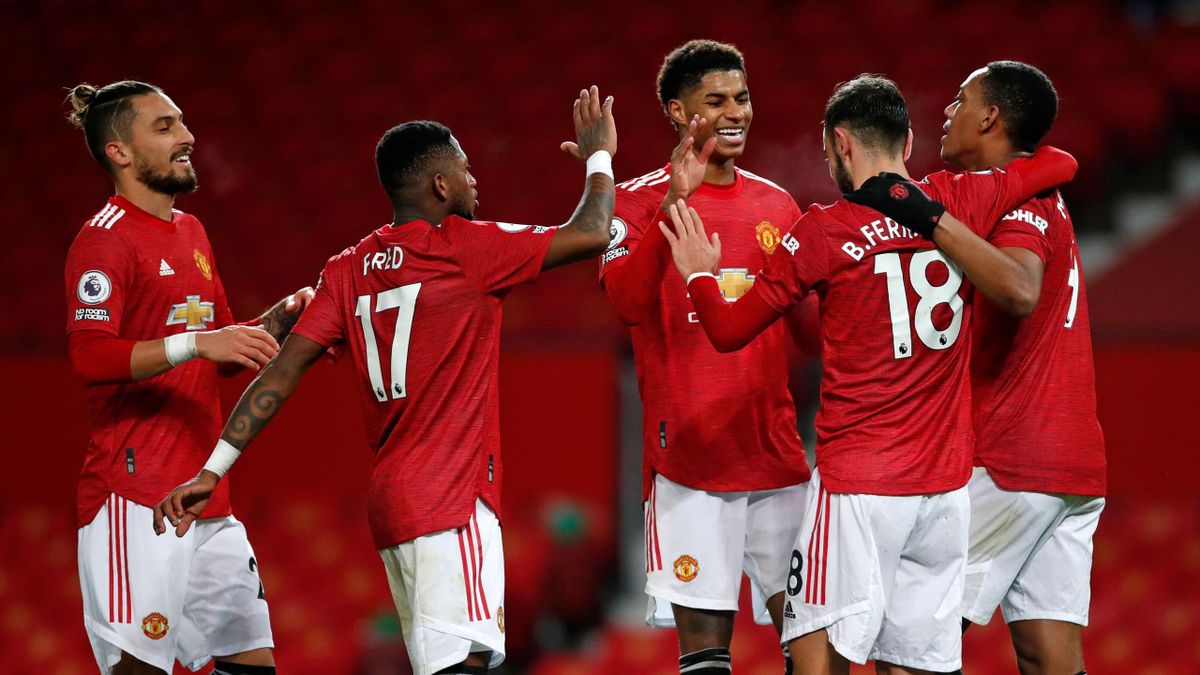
(874,110)
(105,113)
(688,64)
(407,151)
(1026,98)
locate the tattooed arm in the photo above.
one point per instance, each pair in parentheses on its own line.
(257,406)
(278,320)
(585,235)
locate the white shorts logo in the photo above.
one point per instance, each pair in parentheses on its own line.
(94,287)
(512,228)
(617,231)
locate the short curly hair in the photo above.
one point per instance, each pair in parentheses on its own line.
(1026,98)
(687,65)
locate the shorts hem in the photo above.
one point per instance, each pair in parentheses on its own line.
(979,619)
(106,634)
(473,638)
(791,631)
(692,602)
(238,648)
(932,666)
(1035,615)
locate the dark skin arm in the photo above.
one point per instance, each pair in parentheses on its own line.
(1010,277)
(585,235)
(258,405)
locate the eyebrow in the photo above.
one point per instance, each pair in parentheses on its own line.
(167,118)
(718,94)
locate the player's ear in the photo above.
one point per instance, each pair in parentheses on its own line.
(908,145)
(841,143)
(118,154)
(990,118)
(676,112)
(441,188)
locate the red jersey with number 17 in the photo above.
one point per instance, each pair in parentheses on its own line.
(137,277)
(1034,384)
(895,415)
(712,421)
(418,306)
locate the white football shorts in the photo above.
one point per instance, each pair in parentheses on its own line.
(1030,554)
(883,575)
(449,592)
(699,543)
(167,598)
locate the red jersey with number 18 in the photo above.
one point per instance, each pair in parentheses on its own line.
(418,306)
(1034,384)
(895,415)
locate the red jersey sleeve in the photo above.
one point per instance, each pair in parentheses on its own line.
(98,274)
(635,217)
(321,321)
(497,256)
(1025,228)
(797,266)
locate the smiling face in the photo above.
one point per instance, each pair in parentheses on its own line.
(160,146)
(963,117)
(723,100)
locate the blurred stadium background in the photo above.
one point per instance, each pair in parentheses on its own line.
(287,100)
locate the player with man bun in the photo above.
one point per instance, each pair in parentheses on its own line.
(147,326)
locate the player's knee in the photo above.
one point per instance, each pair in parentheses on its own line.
(701,629)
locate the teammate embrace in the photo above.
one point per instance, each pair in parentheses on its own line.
(889,537)
(879,553)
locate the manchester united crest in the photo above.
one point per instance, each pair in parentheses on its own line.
(500,618)
(686,568)
(155,626)
(202,263)
(767,236)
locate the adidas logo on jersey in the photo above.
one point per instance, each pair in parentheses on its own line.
(164,270)
(787,610)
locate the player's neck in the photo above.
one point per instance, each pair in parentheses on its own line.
(155,203)
(876,166)
(407,214)
(720,172)
(993,154)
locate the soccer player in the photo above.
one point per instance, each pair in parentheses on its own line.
(724,471)
(417,304)
(147,324)
(877,569)
(1039,479)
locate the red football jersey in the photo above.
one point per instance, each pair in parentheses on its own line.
(1033,380)
(712,421)
(419,307)
(895,415)
(138,277)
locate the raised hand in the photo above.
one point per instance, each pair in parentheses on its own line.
(249,346)
(691,248)
(687,167)
(183,505)
(296,302)
(595,128)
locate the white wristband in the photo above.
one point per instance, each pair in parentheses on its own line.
(180,348)
(223,456)
(698,274)
(600,162)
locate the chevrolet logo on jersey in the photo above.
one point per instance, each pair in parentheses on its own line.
(734,283)
(194,313)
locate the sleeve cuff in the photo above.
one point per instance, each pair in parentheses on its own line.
(697,275)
